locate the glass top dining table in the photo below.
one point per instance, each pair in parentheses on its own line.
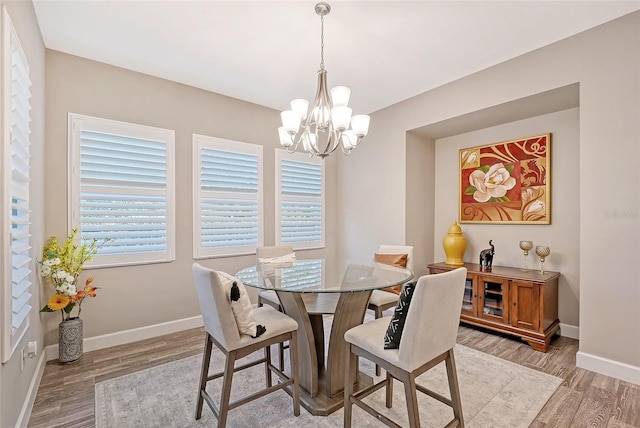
(323,276)
(309,289)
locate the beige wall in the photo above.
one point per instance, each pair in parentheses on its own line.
(145,295)
(605,62)
(420,183)
(14,381)
(562,236)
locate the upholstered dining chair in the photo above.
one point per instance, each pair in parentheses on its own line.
(381,300)
(428,338)
(270,297)
(222,330)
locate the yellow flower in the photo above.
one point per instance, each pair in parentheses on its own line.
(58,302)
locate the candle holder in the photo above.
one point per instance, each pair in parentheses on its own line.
(542,252)
(526,246)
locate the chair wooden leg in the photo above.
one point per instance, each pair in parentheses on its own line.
(389,391)
(412,400)
(350,364)
(204,373)
(454,388)
(281,355)
(226,389)
(295,372)
(267,364)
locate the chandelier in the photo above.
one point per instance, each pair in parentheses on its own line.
(330,124)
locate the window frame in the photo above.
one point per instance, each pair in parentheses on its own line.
(281,155)
(79,122)
(11,338)
(205,141)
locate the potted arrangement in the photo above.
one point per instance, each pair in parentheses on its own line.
(61,265)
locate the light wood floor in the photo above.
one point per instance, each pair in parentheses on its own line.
(585,399)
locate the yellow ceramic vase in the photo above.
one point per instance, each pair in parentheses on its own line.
(454,245)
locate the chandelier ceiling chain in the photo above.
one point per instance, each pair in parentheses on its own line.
(322,41)
(330,124)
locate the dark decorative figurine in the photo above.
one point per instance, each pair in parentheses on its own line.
(486,258)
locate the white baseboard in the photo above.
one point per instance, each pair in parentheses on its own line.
(608,367)
(128,336)
(27,406)
(570,331)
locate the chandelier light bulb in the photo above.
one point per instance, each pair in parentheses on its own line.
(360,124)
(300,106)
(341,117)
(349,139)
(340,96)
(325,127)
(285,138)
(291,121)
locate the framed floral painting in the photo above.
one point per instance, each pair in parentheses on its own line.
(507,182)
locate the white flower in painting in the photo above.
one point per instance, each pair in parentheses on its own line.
(492,184)
(534,208)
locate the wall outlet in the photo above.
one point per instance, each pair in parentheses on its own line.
(32,349)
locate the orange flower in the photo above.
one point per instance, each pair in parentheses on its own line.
(89,281)
(90,291)
(78,297)
(58,302)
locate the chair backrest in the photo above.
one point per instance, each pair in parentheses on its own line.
(431,326)
(399,249)
(217,315)
(274,251)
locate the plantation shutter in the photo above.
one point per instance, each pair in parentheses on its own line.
(301,194)
(17,152)
(125,190)
(230,197)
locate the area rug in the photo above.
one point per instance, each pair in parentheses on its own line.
(495,393)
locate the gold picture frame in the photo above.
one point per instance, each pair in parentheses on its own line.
(507,182)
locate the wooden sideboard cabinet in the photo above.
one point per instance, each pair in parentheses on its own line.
(510,300)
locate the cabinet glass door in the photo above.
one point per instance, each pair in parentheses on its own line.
(467,299)
(494,298)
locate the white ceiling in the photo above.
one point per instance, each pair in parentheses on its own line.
(268,52)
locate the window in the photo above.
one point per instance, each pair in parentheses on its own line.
(122,188)
(227,197)
(16,261)
(299,200)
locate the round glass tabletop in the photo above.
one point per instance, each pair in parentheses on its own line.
(323,276)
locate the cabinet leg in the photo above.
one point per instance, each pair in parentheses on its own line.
(542,346)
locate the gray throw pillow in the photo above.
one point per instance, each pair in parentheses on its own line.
(394,331)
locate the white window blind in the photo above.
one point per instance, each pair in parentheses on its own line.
(123,189)
(228,197)
(300,200)
(16,175)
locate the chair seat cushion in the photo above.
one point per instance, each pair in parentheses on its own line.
(369,336)
(276,323)
(269,295)
(381,298)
